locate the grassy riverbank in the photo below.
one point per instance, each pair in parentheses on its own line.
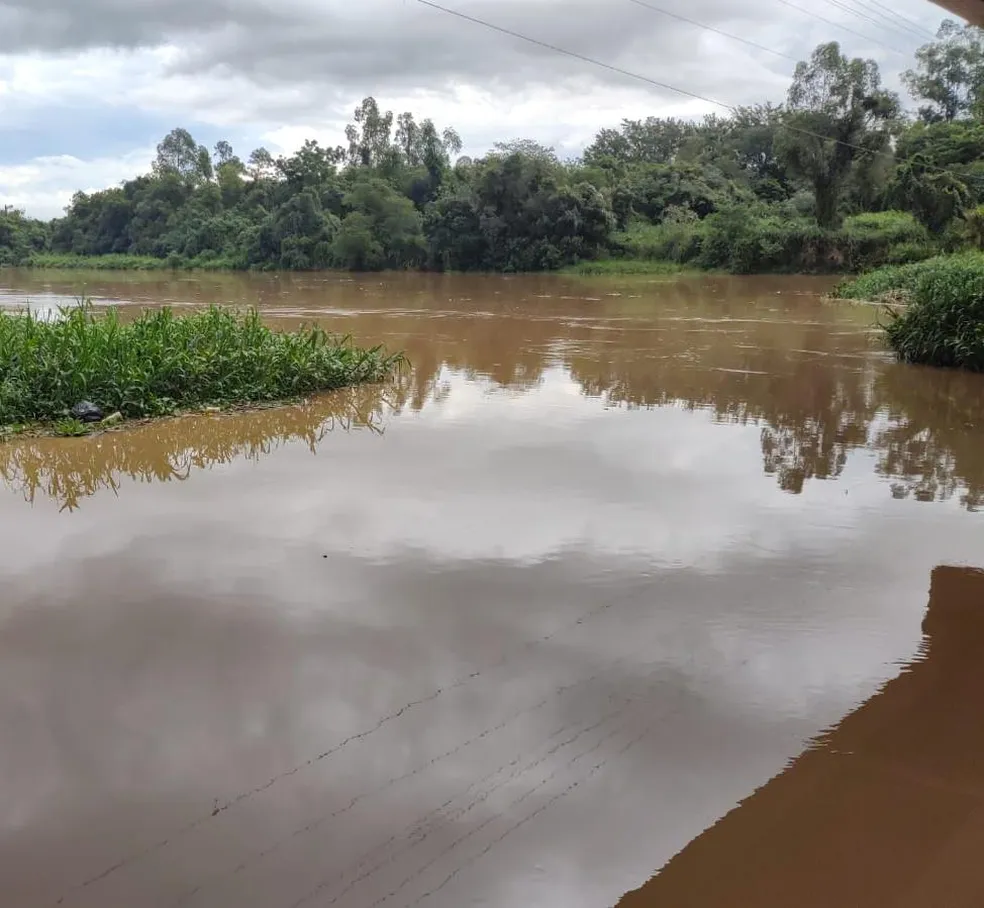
(615,267)
(126,262)
(162,363)
(934,309)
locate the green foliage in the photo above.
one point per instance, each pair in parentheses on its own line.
(869,240)
(70,428)
(517,213)
(112,262)
(744,241)
(20,237)
(381,230)
(625,266)
(950,73)
(808,185)
(944,323)
(161,362)
(940,171)
(837,112)
(901,281)
(677,239)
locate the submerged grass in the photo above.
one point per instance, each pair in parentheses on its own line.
(161,363)
(942,323)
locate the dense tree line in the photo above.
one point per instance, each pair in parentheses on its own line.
(839,176)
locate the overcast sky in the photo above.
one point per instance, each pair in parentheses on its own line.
(88,87)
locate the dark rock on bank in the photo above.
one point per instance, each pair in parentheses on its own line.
(87,411)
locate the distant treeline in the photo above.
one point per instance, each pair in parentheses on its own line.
(836,178)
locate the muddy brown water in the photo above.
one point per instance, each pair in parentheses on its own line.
(648,589)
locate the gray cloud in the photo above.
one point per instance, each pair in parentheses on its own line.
(381,45)
(276,71)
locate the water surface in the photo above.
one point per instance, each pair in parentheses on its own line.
(514,630)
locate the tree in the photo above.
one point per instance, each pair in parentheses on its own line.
(527,148)
(223,154)
(20,236)
(382,229)
(369,137)
(950,74)
(517,214)
(261,164)
(837,112)
(650,141)
(939,171)
(311,166)
(178,155)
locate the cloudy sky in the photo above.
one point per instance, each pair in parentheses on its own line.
(88,87)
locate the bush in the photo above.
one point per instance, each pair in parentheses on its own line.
(943,325)
(677,239)
(870,240)
(161,362)
(747,241)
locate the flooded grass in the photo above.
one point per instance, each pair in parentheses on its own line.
(161,363)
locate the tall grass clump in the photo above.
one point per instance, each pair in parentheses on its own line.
(161,362)
(943,321)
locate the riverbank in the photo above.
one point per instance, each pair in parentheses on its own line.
(733,240)
(70,375)
(616,267)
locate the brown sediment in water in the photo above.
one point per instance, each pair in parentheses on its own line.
(608,559)
(887,809)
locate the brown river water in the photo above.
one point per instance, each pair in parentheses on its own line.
(662,592)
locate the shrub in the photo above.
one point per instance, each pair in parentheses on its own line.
(868,240)
(746,241)
(677,239)
(943,325)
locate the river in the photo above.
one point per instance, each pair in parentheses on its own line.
(524,628)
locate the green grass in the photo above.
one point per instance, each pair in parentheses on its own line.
(627,266)
(161,363)
(126,262)
(118,262)
(943,321)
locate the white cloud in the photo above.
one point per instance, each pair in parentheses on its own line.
(279,72)
(44,186)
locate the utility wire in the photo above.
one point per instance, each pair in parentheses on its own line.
(711,28)
(915,26)
(656,82)
(850,10)
(575,55)
(842,27)
(906,26)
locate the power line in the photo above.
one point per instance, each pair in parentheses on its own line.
(915,26)
(711,28)
(850,10)
(638,76)
(842,27)
(886,16)
(571,53)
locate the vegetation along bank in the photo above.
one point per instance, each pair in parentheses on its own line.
(837,178)
(934,310)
